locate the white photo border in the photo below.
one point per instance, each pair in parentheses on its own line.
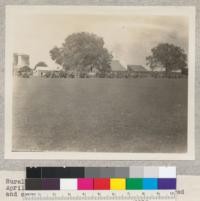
(188,11)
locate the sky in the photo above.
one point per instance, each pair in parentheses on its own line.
(128,37)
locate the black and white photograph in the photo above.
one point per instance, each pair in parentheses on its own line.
(96,82)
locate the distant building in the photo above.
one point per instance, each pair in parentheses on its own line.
(42,70)
(137,71)
(19,61)
(136,68)
(117,66)
(117,69)
(162,69)
(158,69)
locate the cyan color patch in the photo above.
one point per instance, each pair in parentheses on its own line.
(150,184)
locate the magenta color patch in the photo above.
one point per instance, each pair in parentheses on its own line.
(85,184)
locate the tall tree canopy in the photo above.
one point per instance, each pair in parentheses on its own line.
(41,63)
(82,52)
(168,56)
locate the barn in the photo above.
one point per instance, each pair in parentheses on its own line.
(117,69)
(117,66)
(137,71)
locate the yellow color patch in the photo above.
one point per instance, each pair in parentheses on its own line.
(117,184)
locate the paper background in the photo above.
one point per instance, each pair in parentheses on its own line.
(183,167)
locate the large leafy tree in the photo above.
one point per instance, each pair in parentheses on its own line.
(82,52)
(167,56)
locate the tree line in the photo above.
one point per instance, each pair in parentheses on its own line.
(83,52)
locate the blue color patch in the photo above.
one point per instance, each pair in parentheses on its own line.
(150,184)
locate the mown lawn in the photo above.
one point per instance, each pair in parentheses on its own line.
(109,115)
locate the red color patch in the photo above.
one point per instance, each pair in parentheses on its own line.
(102,184)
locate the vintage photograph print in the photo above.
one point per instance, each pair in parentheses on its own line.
(100,82)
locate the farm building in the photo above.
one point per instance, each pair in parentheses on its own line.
(137,71)
(43,71)
(136,68)
(19,61)
(160,72)
(162,69)
(117,69)
(117,66)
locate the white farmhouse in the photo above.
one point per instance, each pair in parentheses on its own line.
(43,70)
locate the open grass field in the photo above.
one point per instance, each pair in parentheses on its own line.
(103,115)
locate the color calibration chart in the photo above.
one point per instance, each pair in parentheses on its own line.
(102,183)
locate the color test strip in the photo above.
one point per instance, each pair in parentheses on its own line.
(102,184)
(134,183)
(101,172)
(167,172)
(51,184)
(61,172)
(117,184)
(151,172)
(33,184)
(101,178)
(150,184)
(136,172)
(107,172)
(85,184)
(91,172)
(121,172)
(68,184)
(33,172)
(167,184)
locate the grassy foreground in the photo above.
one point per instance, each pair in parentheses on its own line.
(109,115)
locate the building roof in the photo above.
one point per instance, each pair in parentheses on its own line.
(43,68)
(116,66)
(21,54)
(136,68)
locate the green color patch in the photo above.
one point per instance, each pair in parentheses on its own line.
(134,183)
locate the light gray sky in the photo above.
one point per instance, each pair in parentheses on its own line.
(129,38)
